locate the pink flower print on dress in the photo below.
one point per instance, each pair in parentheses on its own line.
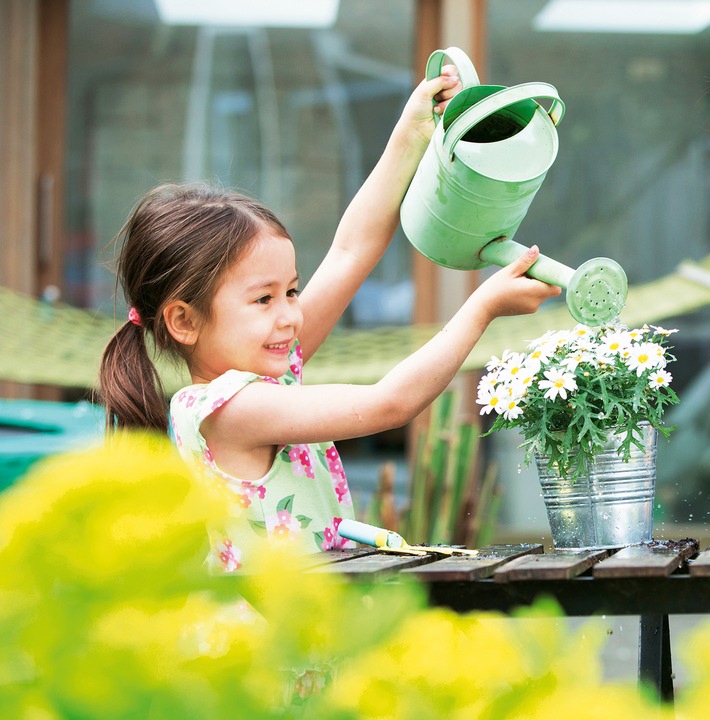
(190,401)
(300,456)
(182,396)
(337,472)
(296,362)
(335,464)
(218,404)
(249,491)
(229,556)
(253,490)
(176,436)
(282,526)
(343,492)
(331,539)
(208,456)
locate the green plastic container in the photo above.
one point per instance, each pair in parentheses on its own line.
(31,430)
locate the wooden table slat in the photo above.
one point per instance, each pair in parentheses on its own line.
(337,555)
(700,566)
(371,564)
(551,566)
(473,568)
(648,560)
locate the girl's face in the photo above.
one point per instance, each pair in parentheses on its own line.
(256,315)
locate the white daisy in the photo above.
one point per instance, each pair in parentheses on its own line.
(663,331)
(582,332)
(659,378)
(496,363)
(644,356)
(512,367)
(557,383)
(613,343)
(571,362)
(491,399)
(488,381)
(512,409)
(524,380)
(540,355)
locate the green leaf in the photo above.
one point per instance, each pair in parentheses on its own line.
(285,504)
(259,527)
(305,521)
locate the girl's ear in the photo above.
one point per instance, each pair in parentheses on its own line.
(180,320)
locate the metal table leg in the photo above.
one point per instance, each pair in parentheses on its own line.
(655,666)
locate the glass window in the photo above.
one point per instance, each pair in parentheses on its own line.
(631,181)
(296,116)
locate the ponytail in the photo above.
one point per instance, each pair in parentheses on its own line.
(130,387)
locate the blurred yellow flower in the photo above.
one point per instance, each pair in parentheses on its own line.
(109,611)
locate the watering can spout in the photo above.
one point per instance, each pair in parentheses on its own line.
(596,290)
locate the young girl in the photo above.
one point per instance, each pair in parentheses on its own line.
(212,276)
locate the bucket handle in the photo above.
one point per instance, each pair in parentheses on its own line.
(497,101)
(467,73)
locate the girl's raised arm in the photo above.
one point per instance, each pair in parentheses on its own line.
(317,413)
(370,221)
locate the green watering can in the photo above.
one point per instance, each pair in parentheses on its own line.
(487,158)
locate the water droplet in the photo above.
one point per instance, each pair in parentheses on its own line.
(520,468)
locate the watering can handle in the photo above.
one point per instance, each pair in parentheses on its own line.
(467,73)
(497,101)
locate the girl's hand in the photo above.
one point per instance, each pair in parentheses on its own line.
(511,292)
(429,97)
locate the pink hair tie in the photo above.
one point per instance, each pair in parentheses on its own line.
(134,317)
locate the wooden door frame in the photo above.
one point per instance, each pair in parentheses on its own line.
(432,20)
(52,88)
(33,71)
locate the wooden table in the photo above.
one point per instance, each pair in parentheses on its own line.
(652,581)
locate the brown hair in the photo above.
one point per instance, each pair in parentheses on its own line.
(176,245)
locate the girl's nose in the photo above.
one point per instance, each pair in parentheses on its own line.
(290,314)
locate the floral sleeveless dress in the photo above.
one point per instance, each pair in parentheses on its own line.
(302,498)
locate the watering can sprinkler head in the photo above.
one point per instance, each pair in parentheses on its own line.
(596,290)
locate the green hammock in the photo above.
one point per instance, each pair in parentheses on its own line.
(59,345)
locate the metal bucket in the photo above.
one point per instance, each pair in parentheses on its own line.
(611,507)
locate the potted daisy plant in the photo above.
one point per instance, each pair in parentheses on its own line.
(589,403)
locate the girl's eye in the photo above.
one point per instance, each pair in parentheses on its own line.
(264,300)
(293,292)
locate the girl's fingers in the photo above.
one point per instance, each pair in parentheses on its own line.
(450,83)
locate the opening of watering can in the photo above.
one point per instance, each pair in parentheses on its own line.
(516,142)
(501,125)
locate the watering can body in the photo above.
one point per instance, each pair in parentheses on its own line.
(486,160)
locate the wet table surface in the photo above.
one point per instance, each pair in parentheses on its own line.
(652,580)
